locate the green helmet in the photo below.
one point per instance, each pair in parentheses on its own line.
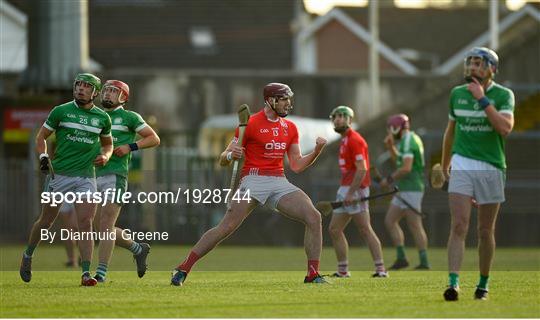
(89,78)
(343,110)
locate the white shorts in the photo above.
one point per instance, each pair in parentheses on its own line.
(66,208)
(75,185)
(115,182)
(267,190)
(356,208)
(478,179)
(413,198)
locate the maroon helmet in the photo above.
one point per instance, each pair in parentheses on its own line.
(275,89)
(397,122)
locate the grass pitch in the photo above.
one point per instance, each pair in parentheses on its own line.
(255,284)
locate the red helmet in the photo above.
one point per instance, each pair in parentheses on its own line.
(275,89)
(123,97)
(397,122)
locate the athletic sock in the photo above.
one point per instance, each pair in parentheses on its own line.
(453,279)
(312,268)
(29,251)
(483,283)
(423,257)
(135,248)
(85,265)
(102,270)
(189,262)
(343,267)
(400,252)
(379,266)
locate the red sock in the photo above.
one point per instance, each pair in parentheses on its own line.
(189,262)
(312,267)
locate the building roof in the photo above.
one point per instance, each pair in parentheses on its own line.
(433,31)
(233,34)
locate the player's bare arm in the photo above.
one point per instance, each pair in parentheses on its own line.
(359,174)
(298,162)
(502,123)
(390,146)
(106,151)
(41,137)
(448,141)
(149,139)
(231,153)
(41,148)
(402,171)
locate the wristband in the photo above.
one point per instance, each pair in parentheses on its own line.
(389,179)
(483,102)
(133,146)
(43,155)
(229,156)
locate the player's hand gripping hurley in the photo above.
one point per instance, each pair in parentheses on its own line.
(327,207)
(243,117)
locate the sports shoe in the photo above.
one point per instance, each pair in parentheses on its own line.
(451,293)
(317,278)
(87,280)
(380,274)
(422,267)
(178,277)
(341,275)
(99,278)
(25,269)
(480,294)
(140,259)
(399,264)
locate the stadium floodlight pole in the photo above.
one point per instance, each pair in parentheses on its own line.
(243,117)
(374,56)
(494,24)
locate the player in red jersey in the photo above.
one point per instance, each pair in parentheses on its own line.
(268,137)
(355,180)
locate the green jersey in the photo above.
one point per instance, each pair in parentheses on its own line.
(125,125)
(474,136)
(77,138)
(411,146)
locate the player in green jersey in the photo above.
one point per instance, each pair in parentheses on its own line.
(126,125)
(409,177)
(480,117)
(83,135)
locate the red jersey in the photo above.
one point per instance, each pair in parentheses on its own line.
(353,148)
(266,143)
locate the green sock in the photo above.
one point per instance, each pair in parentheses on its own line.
(102,269)
(85,265)
(423,257)
(29,250)
(400,252)
(453,279)
(483,283)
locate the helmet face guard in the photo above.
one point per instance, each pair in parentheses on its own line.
(116,86)
(90,79)
(275,91)
(397,123)
(490,63)
(344,111)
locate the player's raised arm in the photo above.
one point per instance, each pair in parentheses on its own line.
(298,162)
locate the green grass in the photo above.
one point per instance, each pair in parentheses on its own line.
(246,292)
